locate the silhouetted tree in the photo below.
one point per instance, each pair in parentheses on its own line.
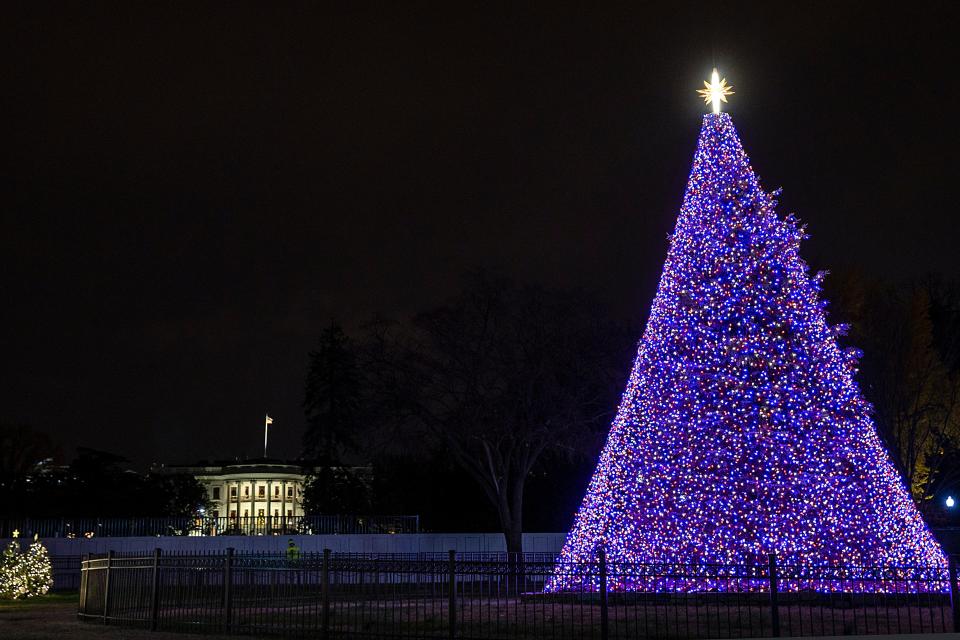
(22,449)
(177,495)
(332,398)
(337,490)
(23,453)
(500,377)
(99,483)
(910,369)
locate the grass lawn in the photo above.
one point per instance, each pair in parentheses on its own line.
(70,597)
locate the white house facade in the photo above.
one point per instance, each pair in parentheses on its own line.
(256,497)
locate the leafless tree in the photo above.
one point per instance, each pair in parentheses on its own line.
(500,377)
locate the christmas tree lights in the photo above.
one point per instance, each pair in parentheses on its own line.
(25,575)
(12,582)
(37,570)
(742,430)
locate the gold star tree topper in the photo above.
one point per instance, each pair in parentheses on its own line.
(716,91)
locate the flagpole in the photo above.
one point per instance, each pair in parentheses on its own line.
(266,423)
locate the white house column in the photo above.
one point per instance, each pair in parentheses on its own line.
(270,524)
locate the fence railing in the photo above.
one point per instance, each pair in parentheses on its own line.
(66,572)
(208,526)
(509,596)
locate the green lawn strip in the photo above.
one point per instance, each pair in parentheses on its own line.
(70,597)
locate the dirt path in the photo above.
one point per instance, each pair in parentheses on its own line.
(57,620)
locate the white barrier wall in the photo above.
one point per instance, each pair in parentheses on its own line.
(359,543)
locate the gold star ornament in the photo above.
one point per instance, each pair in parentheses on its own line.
(716,91)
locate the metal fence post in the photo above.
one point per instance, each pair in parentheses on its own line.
(452,593)
(604,613)
(228,589)
(954,594)
(155,592)
(106,588)
(774,592)
(325,595)
(84,577)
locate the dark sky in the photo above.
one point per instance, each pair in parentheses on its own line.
(191,191)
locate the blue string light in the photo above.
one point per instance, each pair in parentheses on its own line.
(742,430)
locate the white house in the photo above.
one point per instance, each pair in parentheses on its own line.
(259,496)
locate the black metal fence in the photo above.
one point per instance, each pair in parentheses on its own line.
(498,596)
(207,526)
(66,572)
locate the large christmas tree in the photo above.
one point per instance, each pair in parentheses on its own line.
(742,431)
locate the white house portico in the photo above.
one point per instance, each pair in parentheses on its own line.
(251,497)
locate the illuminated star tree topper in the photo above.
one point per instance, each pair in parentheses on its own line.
(715,91)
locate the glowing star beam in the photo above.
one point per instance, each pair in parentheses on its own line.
(716,91)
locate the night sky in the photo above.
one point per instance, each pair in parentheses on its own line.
(192,191)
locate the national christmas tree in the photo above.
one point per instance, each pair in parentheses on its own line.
(742,431)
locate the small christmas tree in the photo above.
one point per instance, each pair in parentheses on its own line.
(37,570)
(25,575)
(742,431)
(12,582)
